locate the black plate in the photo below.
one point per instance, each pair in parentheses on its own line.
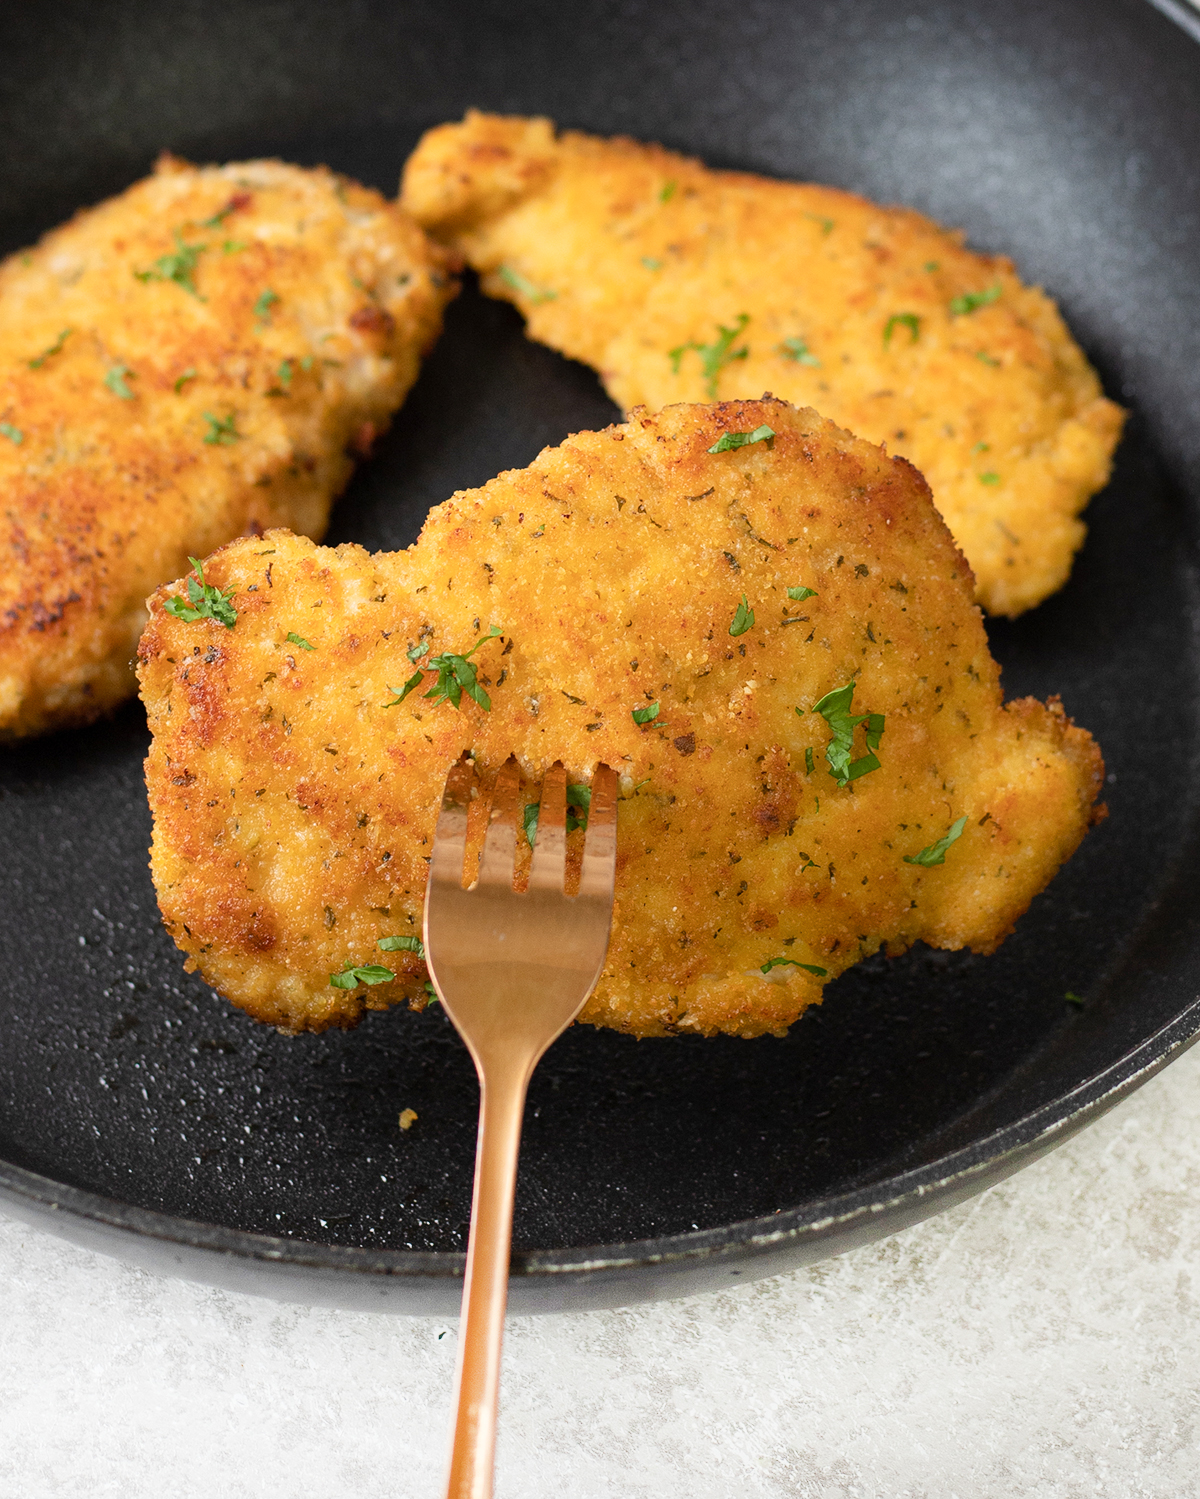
(139,1114)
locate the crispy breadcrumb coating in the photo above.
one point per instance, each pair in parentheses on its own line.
(195,358)
(680,283)
(721,595)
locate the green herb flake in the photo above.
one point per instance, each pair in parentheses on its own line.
(1074,999)
(645,715)
(667,191)
(402,944)
(821,973)
(797,350)
(14,434)
(730,440)
(801,593)
(417,651)
(716,355)
(908,320)
(206,600)
(364,973)
(808,756)
(115,380)
(990,478)
(936,852)
(971,301)
(827,225)
(932,265)
(300,641)
(743,618)
(982,447)
(455,675)
(579,803)
(55,348)
(262,308)
(284,374)
(179,268)
(524,287)
(834,708)
(986,358)
(183,379)
(234,246)
(652,263)
(431,992)
(221,430)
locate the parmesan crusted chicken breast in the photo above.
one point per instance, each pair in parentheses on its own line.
(758,619)
(195,358)
(680,283)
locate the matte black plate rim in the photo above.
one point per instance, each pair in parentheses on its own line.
(894,1203)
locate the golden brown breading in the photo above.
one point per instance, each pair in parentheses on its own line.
(294,808)
(676,283)
(184,362)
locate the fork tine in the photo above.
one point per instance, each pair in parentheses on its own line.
(450,838)
(600,845)
(500,845)
(549,867)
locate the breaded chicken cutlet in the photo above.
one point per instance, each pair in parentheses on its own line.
(759,620)
(679,283)
(192,359)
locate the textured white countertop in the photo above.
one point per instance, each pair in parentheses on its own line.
(1043,1339)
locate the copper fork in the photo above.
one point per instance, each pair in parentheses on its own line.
(512,971)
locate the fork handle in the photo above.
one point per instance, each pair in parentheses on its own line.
(485,1288)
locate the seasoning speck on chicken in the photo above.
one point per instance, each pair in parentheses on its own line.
(837,774)
(199,357)
(677,283)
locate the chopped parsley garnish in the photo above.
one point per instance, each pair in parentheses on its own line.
(991,477)
(55,348)
(716,355)
(183,379)
(579,803)
(981,447)
(908,320)
(826,224)
(743,618)
(232,246)
(180,267)
(808,757)
(207,600)
(730,440)
(667,191)
(431,992)
(972,300)
(262,308)
(645,715)
(455,675)
(525,287)
(932,265)
(284,374)
(115,380)
(417,651)
(363,973)
(14,434)
(801,593)
(834,708)
(797,350)
(821,973)
(300,641)
(986,358)
(1074,999)
(936,852)
(221,429)
(652,262)
(402,944)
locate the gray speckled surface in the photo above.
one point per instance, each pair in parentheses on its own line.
(1040,1340)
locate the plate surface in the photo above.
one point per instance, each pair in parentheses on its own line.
(140,1114)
